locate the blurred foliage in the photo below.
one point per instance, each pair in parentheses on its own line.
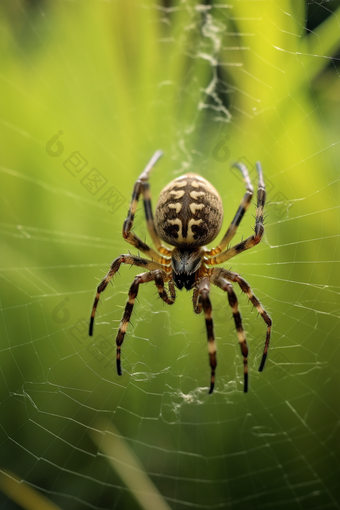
(120,80)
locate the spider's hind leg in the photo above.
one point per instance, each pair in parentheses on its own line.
(159,277)
(227,287)
(204,302)
(234,277)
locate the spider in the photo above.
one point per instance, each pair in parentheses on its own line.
(188,216)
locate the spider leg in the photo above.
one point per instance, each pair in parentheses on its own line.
(142,186)
(122,259)
(259,228)
(245,203)
(196,302)
(227,287)
(234,277)
(159,277)
(150,223)
(205,303)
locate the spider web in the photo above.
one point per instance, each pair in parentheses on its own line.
(92,90)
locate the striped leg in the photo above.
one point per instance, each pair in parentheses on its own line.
(150,223)
(259,227)
(234,277)
(195,301)
(227,287)
(204,300)
(159,277)
(122,259)
(142,186)
(239,214)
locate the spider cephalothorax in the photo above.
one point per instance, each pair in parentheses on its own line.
(188,216)
(185,263)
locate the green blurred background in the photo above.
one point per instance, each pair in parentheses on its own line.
(208,84)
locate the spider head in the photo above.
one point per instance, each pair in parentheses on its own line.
(185,263)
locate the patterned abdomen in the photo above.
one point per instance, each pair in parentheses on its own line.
(189,212)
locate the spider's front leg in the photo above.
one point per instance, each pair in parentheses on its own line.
(122,259)
(142,187)
(258,230)
(243,207)
(221,273)
(159,277)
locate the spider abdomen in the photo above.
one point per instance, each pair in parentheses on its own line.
(189,212)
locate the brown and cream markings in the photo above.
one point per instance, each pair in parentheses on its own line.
(189,212)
